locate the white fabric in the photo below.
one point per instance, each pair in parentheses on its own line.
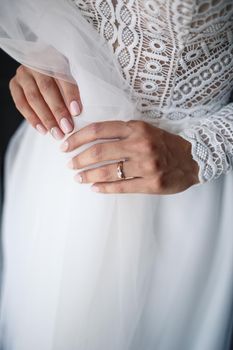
(85,271)
(177,59)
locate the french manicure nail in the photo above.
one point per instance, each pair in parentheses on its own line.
(74,108)
(41,129)
(56,133)
(64,146)
(70,164)
(66,125)
(95,189)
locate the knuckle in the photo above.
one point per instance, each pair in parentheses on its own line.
(150,166)
(147,147)
(60,110)
(77,164)
(104,173)
(131,123)
(154,166)
(142,126)
(20,104)
(32,95)
(20,70)
(95,128)
(45,84)
(50,122)
(96,151)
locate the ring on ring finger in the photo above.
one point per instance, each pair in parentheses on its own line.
(106,173)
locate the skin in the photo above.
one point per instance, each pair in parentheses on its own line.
(155,161)
(43,100)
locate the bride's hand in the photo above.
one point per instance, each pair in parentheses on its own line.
(156,161)
(48,104)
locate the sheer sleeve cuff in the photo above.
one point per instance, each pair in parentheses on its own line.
(212,144)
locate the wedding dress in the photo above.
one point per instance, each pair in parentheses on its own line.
(87,271)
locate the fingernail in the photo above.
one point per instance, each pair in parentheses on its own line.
(70,164)
(95,189)
(56,133)
(66,125)
(41,129)
(74,108)
(64,146)
(78,178)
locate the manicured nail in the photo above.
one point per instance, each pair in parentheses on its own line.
(95,189)
(74,108)
(66,125)
(78,178)
(70,164)
(64,146)
(41,129)
(56,133)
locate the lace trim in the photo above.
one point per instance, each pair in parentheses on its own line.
(212,144)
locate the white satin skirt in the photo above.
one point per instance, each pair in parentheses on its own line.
(88,271)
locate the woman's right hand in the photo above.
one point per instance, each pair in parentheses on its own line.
(48,104)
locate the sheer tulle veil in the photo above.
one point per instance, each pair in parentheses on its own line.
(53,37)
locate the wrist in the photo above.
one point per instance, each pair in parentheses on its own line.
(189,164)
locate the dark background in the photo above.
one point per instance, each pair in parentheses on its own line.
(9,120)
(9,116)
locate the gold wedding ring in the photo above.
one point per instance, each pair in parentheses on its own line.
(120,170)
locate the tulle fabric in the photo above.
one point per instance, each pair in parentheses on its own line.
(53,38)
(28,26)
(86,271)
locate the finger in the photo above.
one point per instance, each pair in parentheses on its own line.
(98,153)
(136,185)
(71,95)
(96,131)
(24,108)
(53,97)
(107,173)
(40,107)
(158,185)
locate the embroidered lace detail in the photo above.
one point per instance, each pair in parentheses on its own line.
(177,59)
(100,14)
(212,144)
(205,68)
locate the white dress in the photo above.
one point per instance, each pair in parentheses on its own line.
(87,271)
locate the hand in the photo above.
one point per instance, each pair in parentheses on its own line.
(48,104)
(158,161)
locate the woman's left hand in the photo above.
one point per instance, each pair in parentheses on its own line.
(155,161)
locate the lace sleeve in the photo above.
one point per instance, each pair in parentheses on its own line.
(212,144)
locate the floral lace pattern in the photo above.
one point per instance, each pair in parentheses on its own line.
(212,143)
(177,59)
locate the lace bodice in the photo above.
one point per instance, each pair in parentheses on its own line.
(177,59)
